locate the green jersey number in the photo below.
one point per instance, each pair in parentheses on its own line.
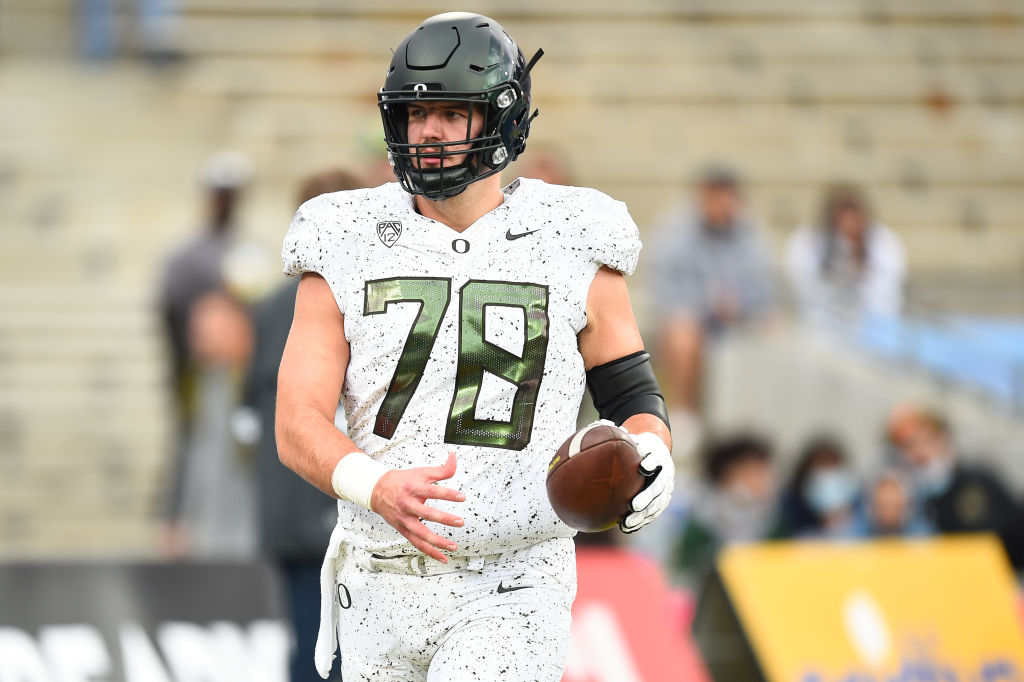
(477,356)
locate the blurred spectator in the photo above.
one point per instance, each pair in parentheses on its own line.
(195,269)
(848,265)
(215,495)
(209,335)
(821,498)
(295,519)
(734,505)
(709,272)
(372,154)
(96,25)
(546,164)
(890,509)
(326,182)
(957,497)
(824,500)
(158,30)
(157,25)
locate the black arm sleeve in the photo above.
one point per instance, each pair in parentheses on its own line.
(625,387)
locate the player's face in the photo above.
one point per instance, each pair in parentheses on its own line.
(442,122)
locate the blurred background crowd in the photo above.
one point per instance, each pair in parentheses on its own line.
(830,196)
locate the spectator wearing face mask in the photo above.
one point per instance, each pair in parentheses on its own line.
(956,497)
(821,500)
(734,505)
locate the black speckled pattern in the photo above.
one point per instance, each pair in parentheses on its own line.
(577,230)
(457,627)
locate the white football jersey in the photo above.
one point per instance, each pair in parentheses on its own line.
(464,342)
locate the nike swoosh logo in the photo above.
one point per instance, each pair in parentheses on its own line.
(502,589)
(509,236)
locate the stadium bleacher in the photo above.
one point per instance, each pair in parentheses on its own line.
(921,101)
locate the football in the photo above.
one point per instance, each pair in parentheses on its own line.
(593,476)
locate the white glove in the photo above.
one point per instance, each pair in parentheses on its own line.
(652,500)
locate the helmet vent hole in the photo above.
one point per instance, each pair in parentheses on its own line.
(482,25)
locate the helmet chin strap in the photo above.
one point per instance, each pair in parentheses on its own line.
(439,185)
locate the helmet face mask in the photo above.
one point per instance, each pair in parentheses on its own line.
(456,58)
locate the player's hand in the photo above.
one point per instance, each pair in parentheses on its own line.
(400,497)
(652,500)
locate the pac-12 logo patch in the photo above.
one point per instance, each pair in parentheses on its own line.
(389,231)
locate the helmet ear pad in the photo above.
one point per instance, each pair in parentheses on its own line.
(510,128)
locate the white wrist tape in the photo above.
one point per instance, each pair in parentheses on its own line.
(355,477)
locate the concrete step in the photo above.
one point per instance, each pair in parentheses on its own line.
(748,42)
(792,10)
(683,82)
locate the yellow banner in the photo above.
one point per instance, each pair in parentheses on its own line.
(889,611)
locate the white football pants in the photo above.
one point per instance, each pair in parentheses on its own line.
(507,620)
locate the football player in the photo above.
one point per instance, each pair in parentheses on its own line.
(458,322)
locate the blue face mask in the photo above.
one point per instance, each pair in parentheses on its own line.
(934,478)
(830,490)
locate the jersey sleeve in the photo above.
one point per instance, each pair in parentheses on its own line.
(308,243)
(302,250)
(612,236)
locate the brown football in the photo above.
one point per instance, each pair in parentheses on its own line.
(593,476)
